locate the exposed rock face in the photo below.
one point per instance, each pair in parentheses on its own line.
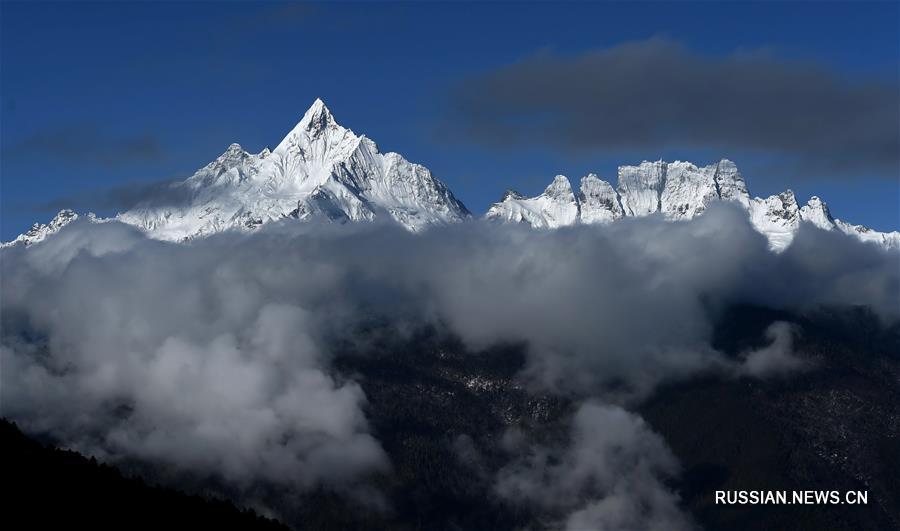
(599,201)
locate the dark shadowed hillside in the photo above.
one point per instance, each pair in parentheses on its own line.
(441,413)
(48,488)
(835,426)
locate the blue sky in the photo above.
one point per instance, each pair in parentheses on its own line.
(94,96)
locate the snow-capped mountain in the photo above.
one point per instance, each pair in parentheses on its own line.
(678,190)
(320,168)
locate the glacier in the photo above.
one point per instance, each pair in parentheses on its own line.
(324,170)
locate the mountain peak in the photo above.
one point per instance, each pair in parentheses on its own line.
(317,117)
(234,152)
(233,156)
(319,169)
(556,207)
(788,197)
(511,194)
(318,106)
(816,212)
(560,187)
(726,163)
(590,178)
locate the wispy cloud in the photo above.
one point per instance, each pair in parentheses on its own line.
(88,145)
(161,193)
(778,357)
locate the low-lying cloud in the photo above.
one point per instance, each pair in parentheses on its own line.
(778,357)
(124,347)
(610,475)
(656,94)
(215,356)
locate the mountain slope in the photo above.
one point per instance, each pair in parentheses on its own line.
(556,207)
(679,191)
(50,488)
(319,168)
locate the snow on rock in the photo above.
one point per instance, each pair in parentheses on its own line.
(816,212)
(599,201)
(777,216)
(730,183)
(688,189)
(640,187)
(888,240)
(556,207)
(40,231)
(319,169)
(679,191)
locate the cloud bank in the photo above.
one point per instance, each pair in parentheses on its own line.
(123,347)
(656,94)
(214,357)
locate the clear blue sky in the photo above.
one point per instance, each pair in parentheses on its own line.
(100,95)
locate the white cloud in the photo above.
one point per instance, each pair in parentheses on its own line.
(214,357)
(775,359)
(609,477)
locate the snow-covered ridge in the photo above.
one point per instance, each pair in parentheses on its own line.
(679,191)
(40,231)
(321,169)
